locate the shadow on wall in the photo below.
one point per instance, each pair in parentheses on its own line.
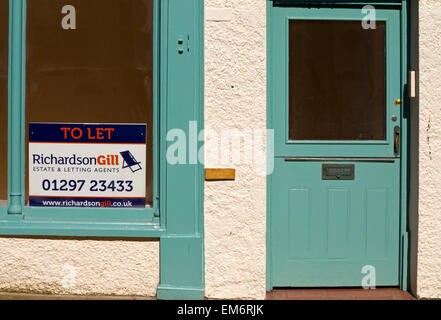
(413,148)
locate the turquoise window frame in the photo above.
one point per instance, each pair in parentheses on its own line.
(19,219)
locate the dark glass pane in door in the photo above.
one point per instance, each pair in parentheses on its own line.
(337,80)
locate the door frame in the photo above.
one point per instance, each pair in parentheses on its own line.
(401,5)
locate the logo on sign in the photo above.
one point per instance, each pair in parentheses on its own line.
(130,161)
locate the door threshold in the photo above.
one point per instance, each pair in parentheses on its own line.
(338,294)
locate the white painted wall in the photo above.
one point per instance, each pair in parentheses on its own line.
(234,211)
(429,208)
(86,267)
(235,98)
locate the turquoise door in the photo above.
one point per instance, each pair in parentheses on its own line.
(335,101)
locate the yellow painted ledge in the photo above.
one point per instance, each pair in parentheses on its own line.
(220,174)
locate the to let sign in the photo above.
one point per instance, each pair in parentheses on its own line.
(87,165)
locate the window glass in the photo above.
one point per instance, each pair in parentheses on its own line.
(94,67)
(337,80)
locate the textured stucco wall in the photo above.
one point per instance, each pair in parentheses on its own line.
(85,267)
(235,98)
(429,209)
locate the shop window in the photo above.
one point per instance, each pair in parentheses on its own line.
(91,63)
(91,88)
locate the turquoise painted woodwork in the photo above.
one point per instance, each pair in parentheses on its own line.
(16,94)
(405,159)
(325,232)
(182,247)
(64,220)
(18,218)
(321,233)
(279,46)
(177,215)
